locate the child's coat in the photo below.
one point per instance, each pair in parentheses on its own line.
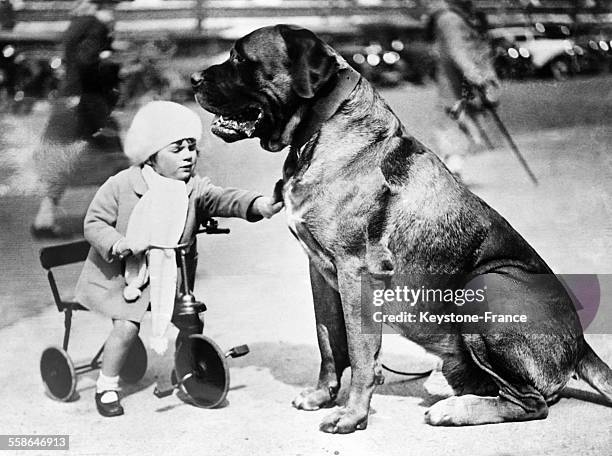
(100,286)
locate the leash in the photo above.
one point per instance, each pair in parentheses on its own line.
(415,375)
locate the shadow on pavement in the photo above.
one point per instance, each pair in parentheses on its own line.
(298,365)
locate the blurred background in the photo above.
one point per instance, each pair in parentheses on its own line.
(159,42)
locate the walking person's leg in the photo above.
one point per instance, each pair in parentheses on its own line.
(451,142)
(46,220)
(55,159)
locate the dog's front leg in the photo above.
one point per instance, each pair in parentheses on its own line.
(363,352)
(331,336)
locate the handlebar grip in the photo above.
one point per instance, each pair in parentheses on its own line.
(211,226)
(209,230)
(218,231)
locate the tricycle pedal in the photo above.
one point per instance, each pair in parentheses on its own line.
(238,351)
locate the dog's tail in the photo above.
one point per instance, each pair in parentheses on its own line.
(596,373)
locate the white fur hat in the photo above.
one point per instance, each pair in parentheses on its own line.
(158,124)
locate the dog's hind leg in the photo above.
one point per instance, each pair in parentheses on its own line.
(517,400)
(331,335)
(471,410)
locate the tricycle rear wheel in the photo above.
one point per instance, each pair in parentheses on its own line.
(58,374)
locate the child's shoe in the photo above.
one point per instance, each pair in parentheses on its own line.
(112,407)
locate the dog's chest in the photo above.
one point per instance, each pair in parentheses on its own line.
(296,207)
(294,216)
(300,207)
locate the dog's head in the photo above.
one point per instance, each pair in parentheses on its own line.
(270,76)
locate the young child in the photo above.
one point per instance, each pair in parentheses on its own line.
(159,200)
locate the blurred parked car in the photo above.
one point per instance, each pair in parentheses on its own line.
(391,61)
(511,60)
(378,65)
(595,52)
(592,47)
(549,56)
(26,78)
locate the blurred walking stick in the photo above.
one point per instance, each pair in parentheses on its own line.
(483,133)
(468,92)
(458,110)
(502,128)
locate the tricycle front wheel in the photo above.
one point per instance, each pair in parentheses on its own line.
(135,364)
(202,371)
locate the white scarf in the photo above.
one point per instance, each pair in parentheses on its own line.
(158,218)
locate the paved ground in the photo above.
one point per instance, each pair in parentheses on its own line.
(255,284)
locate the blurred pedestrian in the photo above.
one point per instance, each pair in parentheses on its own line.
(465,77)
(143,78)
(7,15)
(80,122)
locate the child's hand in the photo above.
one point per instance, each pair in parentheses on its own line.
(138,246)
(127,247)
(266,207)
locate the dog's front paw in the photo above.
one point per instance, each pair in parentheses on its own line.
(314,399)
(448,412)
(345,420)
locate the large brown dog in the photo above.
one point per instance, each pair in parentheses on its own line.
(365,198)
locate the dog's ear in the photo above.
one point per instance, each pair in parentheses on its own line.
(312,62)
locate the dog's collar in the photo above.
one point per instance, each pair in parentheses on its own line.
(325,107)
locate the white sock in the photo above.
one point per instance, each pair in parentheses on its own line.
(109,384)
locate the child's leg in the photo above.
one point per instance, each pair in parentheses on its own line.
(116,348)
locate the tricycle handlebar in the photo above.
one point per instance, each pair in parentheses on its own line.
(169,247)
(210,227)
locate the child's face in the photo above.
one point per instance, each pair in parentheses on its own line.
(177,160)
